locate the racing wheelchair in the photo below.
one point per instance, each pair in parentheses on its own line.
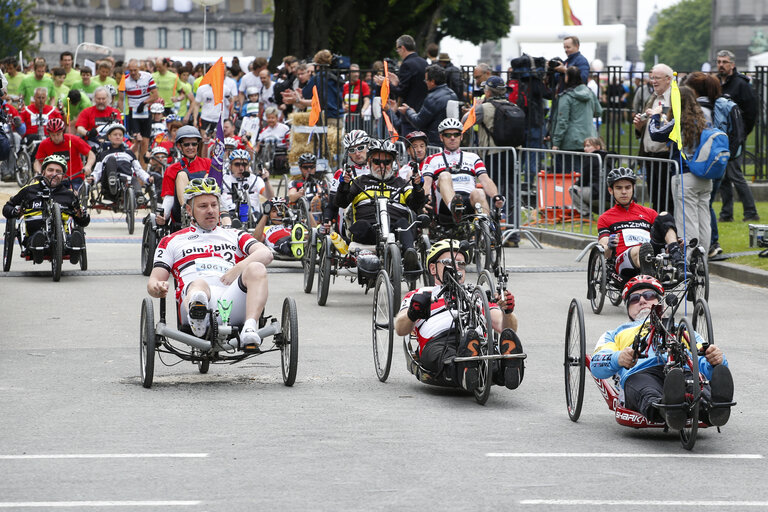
(57,245)
(683,344)
(221,342)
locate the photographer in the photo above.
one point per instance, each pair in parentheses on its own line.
(574,58)
(328,87)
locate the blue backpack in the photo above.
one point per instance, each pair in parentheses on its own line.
(726,116)
(711,156)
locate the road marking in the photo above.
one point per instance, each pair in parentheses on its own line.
(648,503)
(65,504)
(107,456)
(589,455)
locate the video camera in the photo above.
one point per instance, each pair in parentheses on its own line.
(553,63)
(392,65)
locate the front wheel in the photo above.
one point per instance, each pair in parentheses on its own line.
(9,238)
(57,242)
(382,326)
(83,252)
(685,334)
(394,268)
(147,342)
(701,321)
(483,249)
(324,271)
(289,348)
(309,260)
(597,277)
(575,362)
(699,275)
(148,245)
(482,324)
(130,209)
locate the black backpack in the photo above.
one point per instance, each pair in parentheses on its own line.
(508,124)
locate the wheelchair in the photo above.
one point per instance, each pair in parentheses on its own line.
(58,225)
(603,281)
(676,340)
(220,344)
(127,200)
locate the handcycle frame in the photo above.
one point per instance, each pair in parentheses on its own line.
(125,199)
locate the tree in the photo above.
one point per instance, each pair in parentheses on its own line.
(681,37)
(476,21)
(17,28)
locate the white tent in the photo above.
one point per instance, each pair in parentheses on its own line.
(761,59)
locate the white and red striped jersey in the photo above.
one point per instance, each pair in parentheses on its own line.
(280,135)
(275,233)
(138,90)
(464,167)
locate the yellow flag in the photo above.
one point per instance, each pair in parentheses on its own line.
(674,99)
(314,114)
(568,17)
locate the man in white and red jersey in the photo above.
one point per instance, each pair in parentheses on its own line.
(633,233)
(417,152)
(273,231)
(142,92)
(425,312)
(356,149)
(453,176)
(36,115)
(93,119)
(212,265)
(356,93)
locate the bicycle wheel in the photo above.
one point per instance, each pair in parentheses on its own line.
(699,273)
(482,322)
(486,282)
(282,187)
(575,362)
(83,194)
(23,169)
(324,271)
(147,342)
(9,237)
(83,252)
(57,241)
(302,208)
(203,365)
(614,295)
(423,247)
(701,321)
(596,280)
(382,325)
(394,267)
(685,333)
(148,246)
(309,260)
(130,209)
(289,338)
(483,250)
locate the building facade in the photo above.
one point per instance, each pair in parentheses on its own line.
(735,25)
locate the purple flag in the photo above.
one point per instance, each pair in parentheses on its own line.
(217,154)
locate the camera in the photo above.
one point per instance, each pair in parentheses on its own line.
(392,65)
(553,63)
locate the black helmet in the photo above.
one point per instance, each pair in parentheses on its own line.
(368,266)
(307,158)
(622,173)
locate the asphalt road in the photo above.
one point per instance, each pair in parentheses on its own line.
(79,431)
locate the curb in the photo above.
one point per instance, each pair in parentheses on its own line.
(740,273)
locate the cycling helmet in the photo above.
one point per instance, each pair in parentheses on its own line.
(622,173)
(159,150)
(111,90)
(307,158)
(112,127)
(157,108)
(417,135)
(171,118)
(187,132)
(239,154)
(230,142)
(356,138)
(641,282)
(381,146)
(249,91)
(200,187)
(55,159)
(449,123)
(445,245)
(54,125)
(276,204)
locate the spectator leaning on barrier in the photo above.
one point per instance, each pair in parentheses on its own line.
(433,109)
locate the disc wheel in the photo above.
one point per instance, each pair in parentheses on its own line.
(147,342)
(481,320)
(382,325)
(394,267)
(596,280)
(9,238)
(575,362)
(83,252)
(483,249)
(148,246)
(685,333)
(57,241)
(289,348)
(309,260)
(23,169)
(701,321)
(324,271)
(699,270)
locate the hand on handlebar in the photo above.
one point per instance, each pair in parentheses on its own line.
(420,307)
(714,355)
(627,358)
(507,302)
(158,289)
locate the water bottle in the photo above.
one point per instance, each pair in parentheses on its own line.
(243,212)
(339,243)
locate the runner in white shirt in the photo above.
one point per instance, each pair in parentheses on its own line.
(209,112)
(212,265)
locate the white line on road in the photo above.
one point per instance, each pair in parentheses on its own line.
(648,503)
(107,456)
(69,504)
(598,455)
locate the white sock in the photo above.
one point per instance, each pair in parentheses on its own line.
(250,324)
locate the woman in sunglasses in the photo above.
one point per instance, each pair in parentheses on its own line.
(642,378)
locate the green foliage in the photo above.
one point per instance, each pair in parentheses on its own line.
(18,27)
(476,21)
(681,37)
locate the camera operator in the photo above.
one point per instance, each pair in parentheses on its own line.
(574,58)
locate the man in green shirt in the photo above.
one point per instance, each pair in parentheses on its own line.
(35,80)
(66,61)
(60,90)
(187,106)
(86,83)
(77,103)
(104,75)
(11,69)
(167,82)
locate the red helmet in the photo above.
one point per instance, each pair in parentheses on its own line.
(417,135)
(54,125)
(642,282)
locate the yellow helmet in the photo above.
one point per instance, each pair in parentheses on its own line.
(444,245)
(200,187)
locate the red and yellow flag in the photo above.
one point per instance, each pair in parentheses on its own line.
(568,17)
(314,114)
(471,118)
(215,78)
(385,87)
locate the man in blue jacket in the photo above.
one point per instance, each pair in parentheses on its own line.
(574,58)
(433,109)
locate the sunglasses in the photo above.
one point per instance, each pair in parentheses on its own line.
(379,161)
(189,144)
(647,295)
(307,167)
(452,135)
(239,164)
(448,261)
(358,149)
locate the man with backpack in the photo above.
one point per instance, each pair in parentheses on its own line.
(737,87)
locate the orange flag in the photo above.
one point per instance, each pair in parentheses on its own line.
(121,87)
(385,87)
(471,118)
(314,114)
(215,78)
(390,127)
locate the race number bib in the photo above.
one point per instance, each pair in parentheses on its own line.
(212,266)
(635,236)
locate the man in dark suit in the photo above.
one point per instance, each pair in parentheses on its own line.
(408,85)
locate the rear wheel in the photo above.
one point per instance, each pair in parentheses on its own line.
(289,348)
(482,323)
(575,362)
(309,260)
(685,333)
(23,170)
(394,268)
(148,245)
(83,252)
(147,342)
(9,238)
(324,271)
(382,325)
(596,280)
(130,209)
(57,241)
(699,272)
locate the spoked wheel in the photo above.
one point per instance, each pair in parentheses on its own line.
(282,187)
(303,211)
(130,209)
(23,170)
(57,242)
(382,325)
(83,194)
(309,260)
(699,272)
(324,271)
(394,269)
(424,247)
(148,246)
(483,249)
(9,238)
(147,342)
(701,322)
(685,333)
(289,348)
(486,283)
(575,362)
(596,280)
(482,322)
(83,252)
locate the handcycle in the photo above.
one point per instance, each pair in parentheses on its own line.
(221,342)
(57,245)
(19,163)
(680,344)
(127,199)
(603,281)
